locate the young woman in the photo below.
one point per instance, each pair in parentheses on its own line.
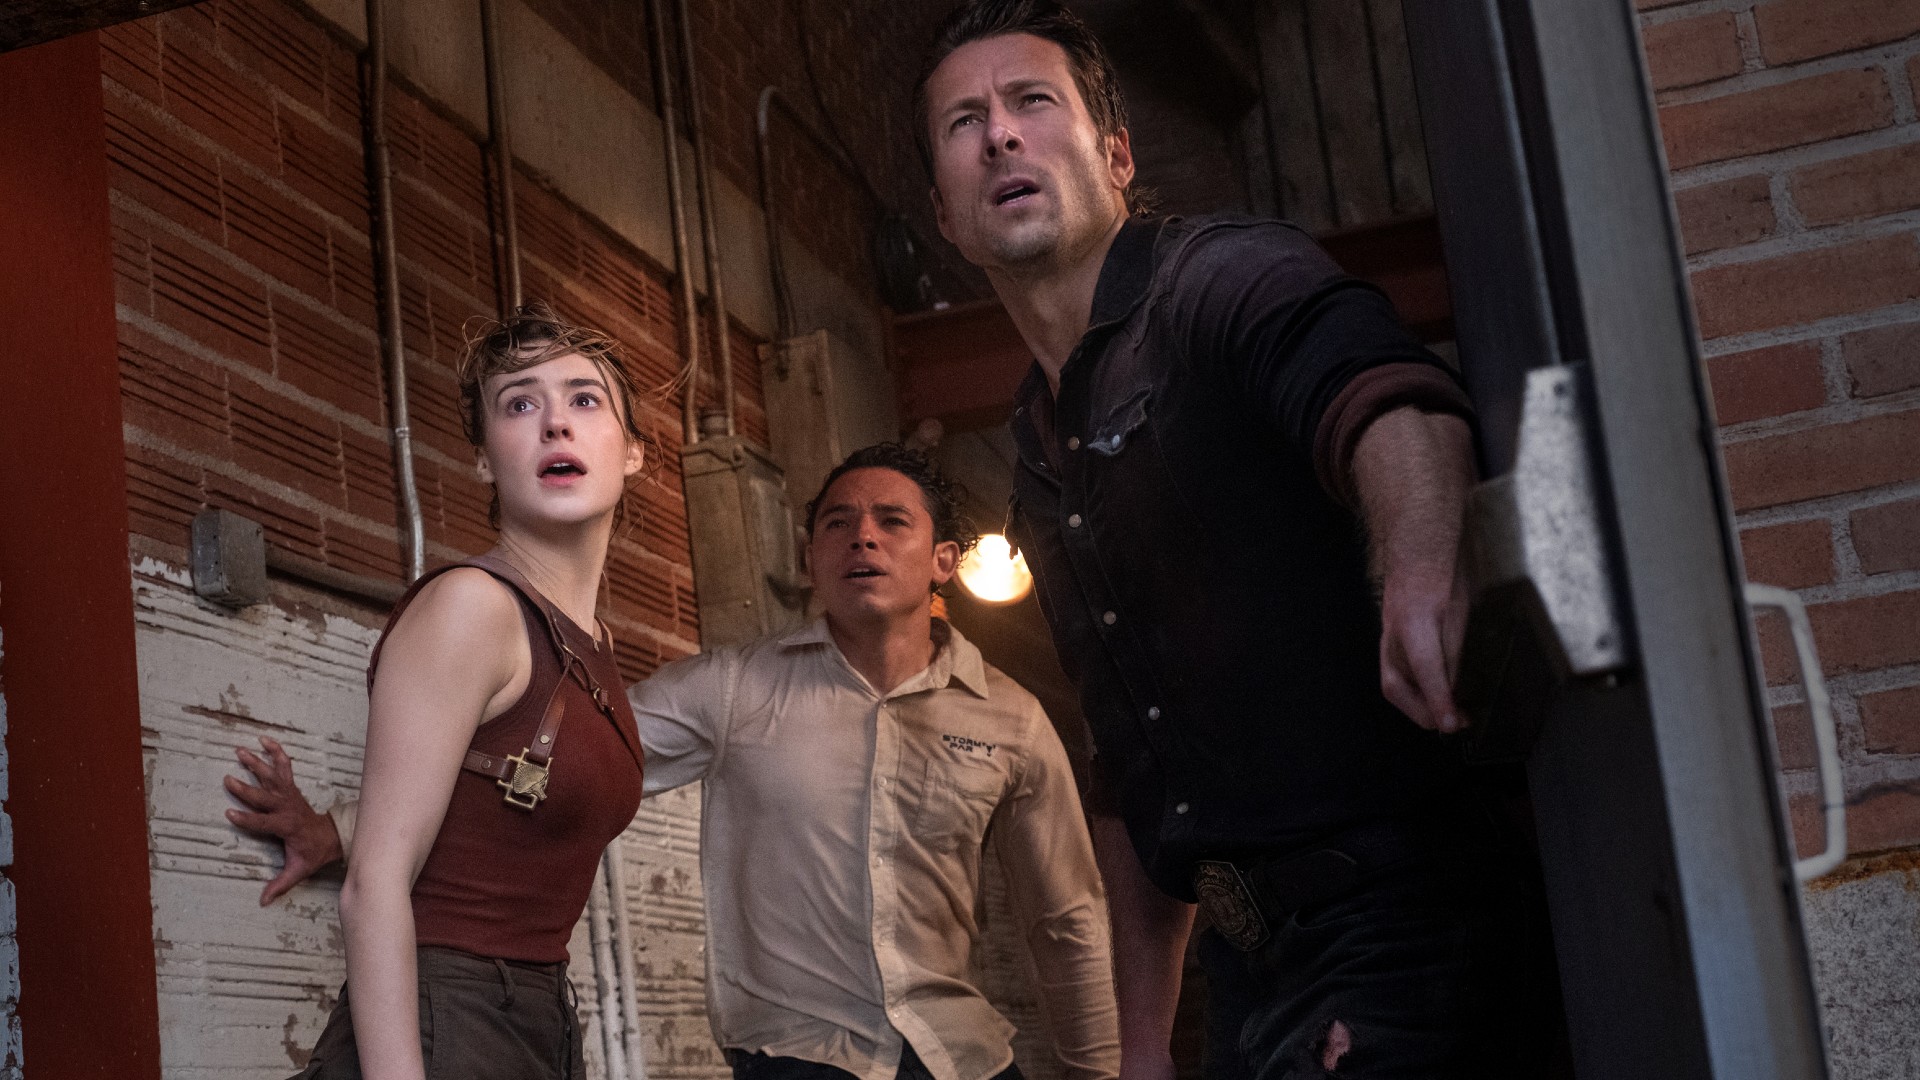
(501,754)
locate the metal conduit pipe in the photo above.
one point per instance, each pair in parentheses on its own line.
(506,240)
(636,1052)
(770,211)
(387,274)
(677,215)
(313,572)
(600,930)
(709,214)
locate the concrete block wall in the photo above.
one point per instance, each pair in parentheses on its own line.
(861,55)
(248,347)
(1793,138)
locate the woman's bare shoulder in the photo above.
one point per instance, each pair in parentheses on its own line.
(465,613)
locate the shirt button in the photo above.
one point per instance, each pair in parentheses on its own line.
(1153,712)
(1181,808)
(1073,443)
(1109,618)
(1073,521)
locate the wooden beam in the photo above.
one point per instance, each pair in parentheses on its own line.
(959,366)
(88,1000)
(32,22)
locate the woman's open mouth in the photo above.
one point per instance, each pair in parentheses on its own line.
(561,469)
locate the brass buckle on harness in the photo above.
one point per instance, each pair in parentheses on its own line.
(527,785)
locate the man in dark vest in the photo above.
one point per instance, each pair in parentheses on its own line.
(1226,446)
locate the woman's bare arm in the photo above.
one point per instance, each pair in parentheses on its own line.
(457,658)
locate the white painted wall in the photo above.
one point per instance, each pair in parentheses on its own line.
(244,991)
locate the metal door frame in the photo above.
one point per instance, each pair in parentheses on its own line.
(1667,858)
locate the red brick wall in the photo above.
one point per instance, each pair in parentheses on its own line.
(249,355)
(1791,130)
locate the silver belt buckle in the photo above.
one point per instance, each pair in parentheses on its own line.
(1228,901)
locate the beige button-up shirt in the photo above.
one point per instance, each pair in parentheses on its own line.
(840,854)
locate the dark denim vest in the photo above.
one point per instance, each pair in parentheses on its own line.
(1210,599)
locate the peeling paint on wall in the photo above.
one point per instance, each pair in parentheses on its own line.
(245,990)
(242,989)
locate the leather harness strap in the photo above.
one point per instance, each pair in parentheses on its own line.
(524,775)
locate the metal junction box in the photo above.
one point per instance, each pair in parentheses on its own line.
(745,557)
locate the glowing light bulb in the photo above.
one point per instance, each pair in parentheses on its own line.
(994,572)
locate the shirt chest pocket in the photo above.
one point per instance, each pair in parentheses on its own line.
(957,798)
(1129,481)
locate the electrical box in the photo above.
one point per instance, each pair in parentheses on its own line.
(796,377)
(229,557)
(746,569)
(825,399)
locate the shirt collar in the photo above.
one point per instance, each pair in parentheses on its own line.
(1124,276)
(1126,272)
(956,659)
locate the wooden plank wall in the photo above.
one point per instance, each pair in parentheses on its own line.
(1342,127)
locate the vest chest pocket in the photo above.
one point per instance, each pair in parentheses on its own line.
(957,797)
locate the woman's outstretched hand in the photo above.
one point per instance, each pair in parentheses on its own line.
(276,808)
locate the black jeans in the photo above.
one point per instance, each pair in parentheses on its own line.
(757,1066)
(1435,967)
(480,1019)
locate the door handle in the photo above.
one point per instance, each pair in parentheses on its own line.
(1546,603)
(1826,742)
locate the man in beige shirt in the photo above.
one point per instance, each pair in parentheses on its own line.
(853,768)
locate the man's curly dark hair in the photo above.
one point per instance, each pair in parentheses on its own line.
(943,496)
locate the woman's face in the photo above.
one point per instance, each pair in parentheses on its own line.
(556,448)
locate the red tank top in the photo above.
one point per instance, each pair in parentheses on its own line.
(507,882)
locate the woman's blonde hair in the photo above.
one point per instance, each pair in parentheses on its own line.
(534,334)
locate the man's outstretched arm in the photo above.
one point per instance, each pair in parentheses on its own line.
(1411,472)
(1150,932)
(1053,883)
(276,808)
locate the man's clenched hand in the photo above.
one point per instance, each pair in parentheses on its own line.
(276,808)
(1423,616)
(1412,470)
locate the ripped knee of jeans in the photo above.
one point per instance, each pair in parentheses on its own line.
(1334,1045)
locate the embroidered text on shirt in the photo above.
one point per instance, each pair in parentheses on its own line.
(968,746)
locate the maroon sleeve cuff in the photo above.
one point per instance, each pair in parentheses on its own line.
(1371,393)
